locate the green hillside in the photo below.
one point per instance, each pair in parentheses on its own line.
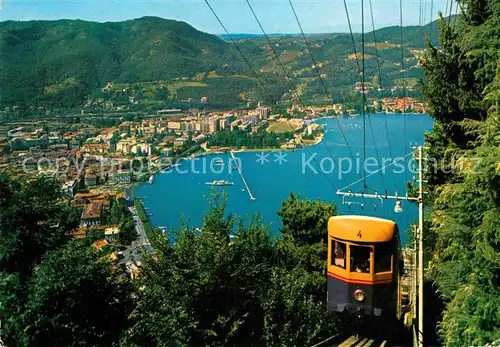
(37,54)
(63,63)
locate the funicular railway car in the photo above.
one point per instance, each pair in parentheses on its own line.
(364,257)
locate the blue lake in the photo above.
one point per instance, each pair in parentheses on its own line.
(182,194)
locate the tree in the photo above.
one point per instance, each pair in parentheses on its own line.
(304,220)
(465,267)
(463,92)
(120,215)
(53,292)
(76,299)
(293,317)
(127,231)
(114,140)
(208,289)
(33,221)
(162,93)
(12,293)
(304,239)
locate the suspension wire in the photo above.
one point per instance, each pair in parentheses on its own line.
(311,55)
(395,161)
(430,21)
(352,35)
(363,97)
(241,53)
(420,9)
(403,80)
(450,13)
(445,12)
(386,123)
(285,72)
(258,78)
(315,160)
(361,73)
(276,56)
(456,14)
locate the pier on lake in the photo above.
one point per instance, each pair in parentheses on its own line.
(241,175)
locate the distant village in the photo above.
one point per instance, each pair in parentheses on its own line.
(40,145)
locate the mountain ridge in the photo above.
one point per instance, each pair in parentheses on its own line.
(60,62)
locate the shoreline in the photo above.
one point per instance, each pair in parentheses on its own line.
(373,114)
(305,143)
(195,194)
(134,185)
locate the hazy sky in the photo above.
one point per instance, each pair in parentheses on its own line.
(276,15)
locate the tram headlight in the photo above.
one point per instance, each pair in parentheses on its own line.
(359,295)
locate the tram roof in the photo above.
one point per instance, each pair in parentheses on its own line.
(361,228)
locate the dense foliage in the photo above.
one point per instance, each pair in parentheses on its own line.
(238,139)
(76,299)
(119,215)
(463,91)
(48,60)
(33,221)
(225,284)
(52,292)
(309,226)
(211,289)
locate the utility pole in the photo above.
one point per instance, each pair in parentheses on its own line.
(415,275)
(414,289)
(420,249)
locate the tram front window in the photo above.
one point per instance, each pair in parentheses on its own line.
(360,259)
(338,254)
(383,257)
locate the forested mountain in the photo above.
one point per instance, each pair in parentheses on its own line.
(61,63)
(463,234)
(82,55)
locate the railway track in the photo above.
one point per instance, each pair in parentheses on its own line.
(352,341)
(360,341)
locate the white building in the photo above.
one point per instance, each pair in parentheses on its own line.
(112,234)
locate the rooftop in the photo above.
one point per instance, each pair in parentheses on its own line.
(92,210)
(112,231)
(100,244)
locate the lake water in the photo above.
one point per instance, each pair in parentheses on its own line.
(181,195)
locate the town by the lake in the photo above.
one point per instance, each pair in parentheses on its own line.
(249,173)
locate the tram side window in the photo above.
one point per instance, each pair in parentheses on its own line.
(338,254)
(383,257)
(360,259)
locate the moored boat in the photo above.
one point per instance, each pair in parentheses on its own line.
(219,183)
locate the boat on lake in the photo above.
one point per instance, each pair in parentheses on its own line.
(219,183)
(151,179)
